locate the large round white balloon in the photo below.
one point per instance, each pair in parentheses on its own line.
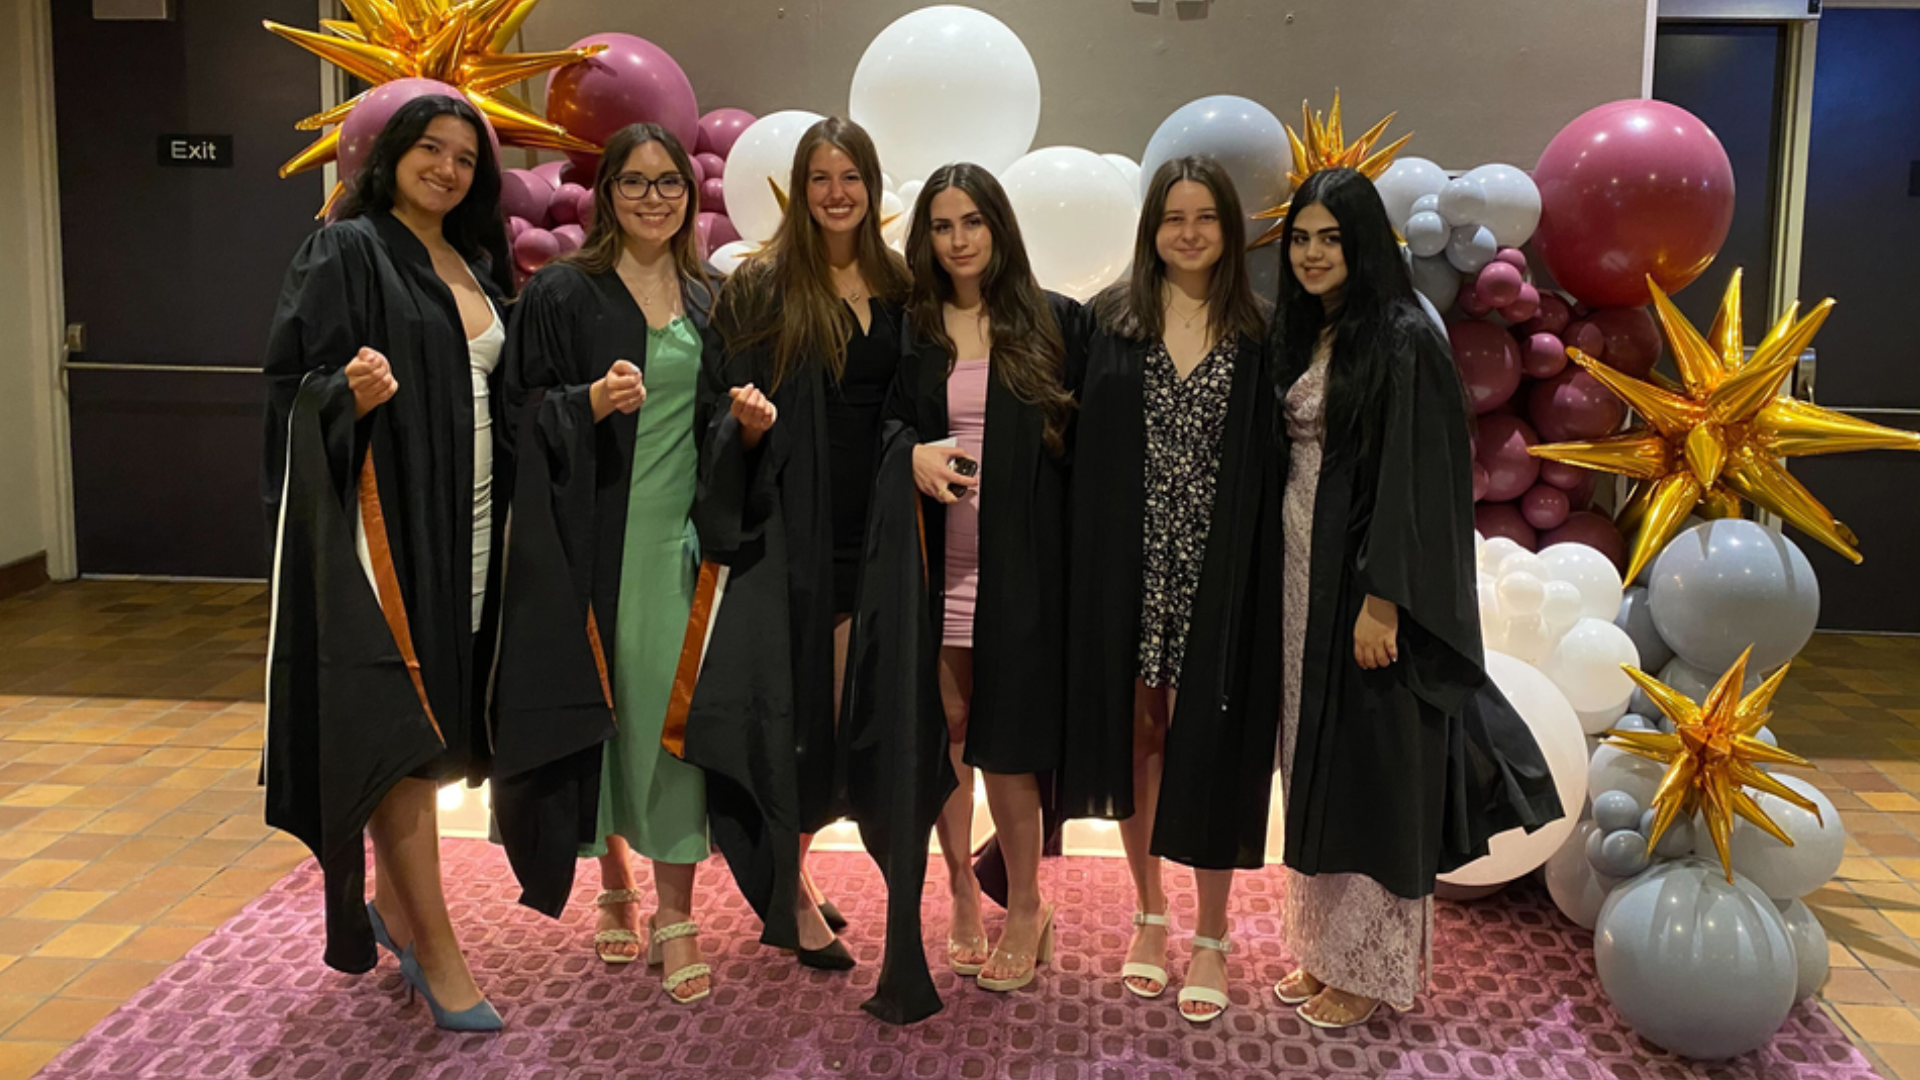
(1557,731)
(763,153)
(1585,665)
(1076,213)
(1128,167)
(727,257)
(1509,203)
(946,84)
(1592,573)
(1404,182)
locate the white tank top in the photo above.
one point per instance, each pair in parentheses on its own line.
(483,355)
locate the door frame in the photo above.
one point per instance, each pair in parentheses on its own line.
(46,350)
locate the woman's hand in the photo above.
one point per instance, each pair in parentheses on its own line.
(754,413)
(1376,634)
(619,390)
(371,379)
(932,471)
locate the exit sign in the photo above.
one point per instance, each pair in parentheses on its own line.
(196,151)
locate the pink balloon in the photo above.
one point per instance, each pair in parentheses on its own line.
(712,166)
(1489,363)
(1515,256)
(570,237)
(1564,476)
(1573,405)
(363,125)
(516,226)
(550,172)
(1502,450)
(1631,189)
(720,129)
(1546,356)
(1593,530)
(633,81)
(1471,304)
(713,195)
(1524,307)
(524,195)
(1505,519)
(1587,338)
(1481,481)
(1545,506)
(1499,284)
(1554,314)
(534,249)
(566,204)
(583,207)
(713,232)
(1632,337)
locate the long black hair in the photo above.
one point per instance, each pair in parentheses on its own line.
(1029,355)
(475,227)
(1379,320)
(1135,309)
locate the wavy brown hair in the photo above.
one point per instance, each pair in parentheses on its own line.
(600,251)
(1028,353)
(1135,309)
(784,293)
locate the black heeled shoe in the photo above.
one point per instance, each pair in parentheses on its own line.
(836,922)
(833,957)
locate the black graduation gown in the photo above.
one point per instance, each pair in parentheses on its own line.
(365,688)
(553,689)
(1405,772)
(1217,783)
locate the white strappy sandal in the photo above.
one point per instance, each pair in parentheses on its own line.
(619,936)
(1205,995)
(657,954)
(1137,970)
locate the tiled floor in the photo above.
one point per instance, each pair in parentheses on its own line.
(130,821)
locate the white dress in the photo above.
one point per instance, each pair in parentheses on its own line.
(483,355)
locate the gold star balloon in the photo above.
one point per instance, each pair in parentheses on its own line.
(1713,756)
(458,42)
(1324,146)
(1718,436)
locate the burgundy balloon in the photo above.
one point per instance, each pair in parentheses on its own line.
(1524,307)
(713,195)
(1593,530)
(565,208)
(713,232)
(1502,450)
(524,195)
(550,172)
(1587,338)
(1470,303)
(1554,314)
(720,129)
(1488,360)
(534,249)
(1545,506)
(516,226)
(363,125)
(699,171)
(1573,405)
(1632,337)
(712,166)
(1480,481)
(583,207)
(1564,476)
(1631,189)
(633,81)
(1546,356)
(570,237)
(1493,519)
(1515,256)
(1499,284)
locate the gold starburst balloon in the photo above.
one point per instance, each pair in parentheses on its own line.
(458,42)
(1324,146)
(1719,435)
(1713,756)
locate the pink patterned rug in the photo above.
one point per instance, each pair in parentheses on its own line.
(1514,997)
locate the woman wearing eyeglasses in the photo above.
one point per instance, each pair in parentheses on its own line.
(608,367)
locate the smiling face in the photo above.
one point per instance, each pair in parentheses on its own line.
(650,194)
(1189,238)
(836,195)
(962,242)
(1319,261)
(435,174)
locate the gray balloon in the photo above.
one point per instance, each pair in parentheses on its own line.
(1809,948)
(1245,138)
(1622,854)
(1470,247)
(1767,736)
(1635,722)
(1637,621)
(1437,280)
(1676,842)
(1697,683)
(1615,810)
(1642,705)
(1613,769)
(1427,234)
(1693,964)
(1724,585)
(1577,890)
(1263,270)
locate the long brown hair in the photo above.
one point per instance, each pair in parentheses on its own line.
(1134,309)
(784,293)
(600,251)
(1028,353)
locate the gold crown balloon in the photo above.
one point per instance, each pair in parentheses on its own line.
(1718,436)
(1324,146)
(1713,755)
(459,42)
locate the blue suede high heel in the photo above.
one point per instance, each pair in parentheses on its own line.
(380,935)
(480,1017)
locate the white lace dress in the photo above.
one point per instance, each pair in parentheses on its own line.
(1345,929)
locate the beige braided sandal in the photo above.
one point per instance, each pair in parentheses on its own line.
(657,954)
(620,936)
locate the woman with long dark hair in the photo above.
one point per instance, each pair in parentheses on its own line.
(384,478)
(612,366)
(1170,723)
(983,381)
(1399,759)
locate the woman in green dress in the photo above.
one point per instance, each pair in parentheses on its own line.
(608,362)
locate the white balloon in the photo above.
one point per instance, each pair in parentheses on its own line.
(1495,553)
(910,193)
(1782,872)
(1560,605)
(1521,593)
(1426,233)
(1527,637)
(1425,203)
(726,258)
(1585,665)
(1129,168)
(1510,203)
(1515,852)
(1462,202)
(1405,182)
(891,207)
(945,84)
(886,180)
(1492,623)
(763,152)
(1589,571)
(1522,561)
(1076,213)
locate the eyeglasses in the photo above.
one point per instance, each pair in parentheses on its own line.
(671,187)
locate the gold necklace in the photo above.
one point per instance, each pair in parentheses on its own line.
(1186,321)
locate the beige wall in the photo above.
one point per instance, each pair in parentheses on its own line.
(1476,80)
